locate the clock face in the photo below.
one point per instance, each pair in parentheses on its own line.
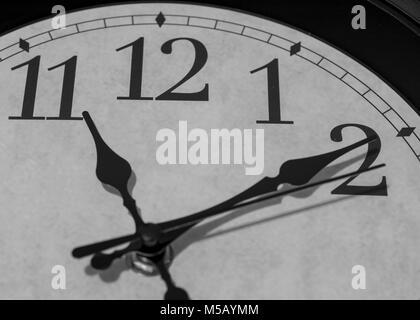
(203,103)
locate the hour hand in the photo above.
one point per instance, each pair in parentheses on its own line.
(113,170)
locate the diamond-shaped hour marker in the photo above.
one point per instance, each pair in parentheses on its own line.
(295,48)
(24,45)
(405,132)
(160,19)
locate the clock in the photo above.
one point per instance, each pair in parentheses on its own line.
(185,151)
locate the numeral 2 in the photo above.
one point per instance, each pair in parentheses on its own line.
(374,147)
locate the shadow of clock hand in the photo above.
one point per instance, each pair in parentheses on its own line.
(280,215)
(102,261)
(297,172)
(108,265)
(130,186)
(201,232)
(111,273)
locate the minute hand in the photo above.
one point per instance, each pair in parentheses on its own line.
(295,172)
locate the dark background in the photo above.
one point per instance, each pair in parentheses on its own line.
(388,47)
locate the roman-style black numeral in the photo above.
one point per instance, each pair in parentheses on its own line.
(273,87)
(374,147)
(29,96)
(199,62)
(67,91)
(30,90)
(136,74)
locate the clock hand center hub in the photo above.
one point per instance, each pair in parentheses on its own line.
(150,234)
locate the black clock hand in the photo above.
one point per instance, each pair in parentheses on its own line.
(84,251)
(193,219)
(200,216)
(172,291)
(113,170)
(149,231)
(295,172)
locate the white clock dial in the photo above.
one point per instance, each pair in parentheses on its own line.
(138,69)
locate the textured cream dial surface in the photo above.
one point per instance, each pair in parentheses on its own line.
(302,246)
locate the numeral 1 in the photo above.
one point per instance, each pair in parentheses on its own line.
(273,87)
(67,92)
(136,75)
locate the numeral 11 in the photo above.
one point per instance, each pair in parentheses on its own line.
(67,91)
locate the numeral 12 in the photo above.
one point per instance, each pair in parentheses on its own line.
(136,74)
